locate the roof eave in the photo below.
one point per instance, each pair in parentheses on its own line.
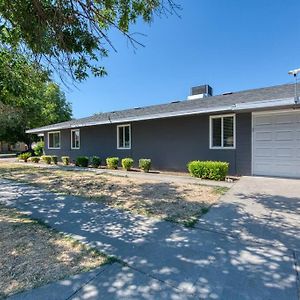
(235,107)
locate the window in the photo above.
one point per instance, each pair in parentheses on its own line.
(75,139)
(222,132)
(54,140)
(124,137)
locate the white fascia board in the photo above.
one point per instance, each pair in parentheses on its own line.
(265,104)
(228,108)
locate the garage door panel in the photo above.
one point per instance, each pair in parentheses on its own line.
(297,117)
(259,121)
(284,135)
(276,144)
(263,136)
(263,152)
(261,167)
(284,153)
(284,119)
(282,145)
(265,146)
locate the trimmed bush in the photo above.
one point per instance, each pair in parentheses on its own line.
(127,163)
(65,160)
(145,164)
(82,161)
(35,159)
(95,161)
(24,156)
(54,159)
(47,159)
(112,162)
(214,170)
(39,148)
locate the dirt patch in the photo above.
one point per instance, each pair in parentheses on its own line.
(32,255)
(182,203)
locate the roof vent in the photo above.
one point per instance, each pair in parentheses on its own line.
(201,91)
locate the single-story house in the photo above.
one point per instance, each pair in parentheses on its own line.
(257,131)
(6,147)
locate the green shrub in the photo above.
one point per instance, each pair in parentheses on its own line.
(65,160)
(54,159)
(35,159)
(127,163)
(112,162)
(47,159)
(215,170)
(82,161)
(145,164)
(95,161)
(24,156)
(39,148)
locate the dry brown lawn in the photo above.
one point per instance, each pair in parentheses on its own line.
(32,254)
(182,203)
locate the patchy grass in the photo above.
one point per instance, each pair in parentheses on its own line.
(221,190)
(32,254)
(181,203)
(192,220)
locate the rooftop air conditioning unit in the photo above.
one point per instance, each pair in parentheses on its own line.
(199,92)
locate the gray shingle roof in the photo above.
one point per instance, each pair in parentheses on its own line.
(215,103)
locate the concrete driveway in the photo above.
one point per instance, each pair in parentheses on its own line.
(265,210)
(244,248)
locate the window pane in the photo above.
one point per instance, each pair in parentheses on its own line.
(73,139)
(124,136)
(228,131)
(50,140)
(127,137)
(216,132)
(56,140)
(77,138)
(121,137)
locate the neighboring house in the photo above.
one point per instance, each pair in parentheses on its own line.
(257,131)
(11,148)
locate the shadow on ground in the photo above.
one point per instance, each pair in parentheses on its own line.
(238,256)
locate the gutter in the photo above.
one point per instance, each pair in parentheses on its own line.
(228,108)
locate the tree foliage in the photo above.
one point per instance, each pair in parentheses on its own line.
(10,123)
(55,107)
(71,36)
(28,98)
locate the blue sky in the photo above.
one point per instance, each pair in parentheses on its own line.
(231,45)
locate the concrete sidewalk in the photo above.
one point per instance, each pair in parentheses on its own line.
(114,281)
(167,261)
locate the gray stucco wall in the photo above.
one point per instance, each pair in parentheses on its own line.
(170,143)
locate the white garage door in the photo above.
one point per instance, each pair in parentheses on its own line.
(276,144)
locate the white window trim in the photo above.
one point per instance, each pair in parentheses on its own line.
(118,140)
(53,148)
(75,148)
(222,129)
